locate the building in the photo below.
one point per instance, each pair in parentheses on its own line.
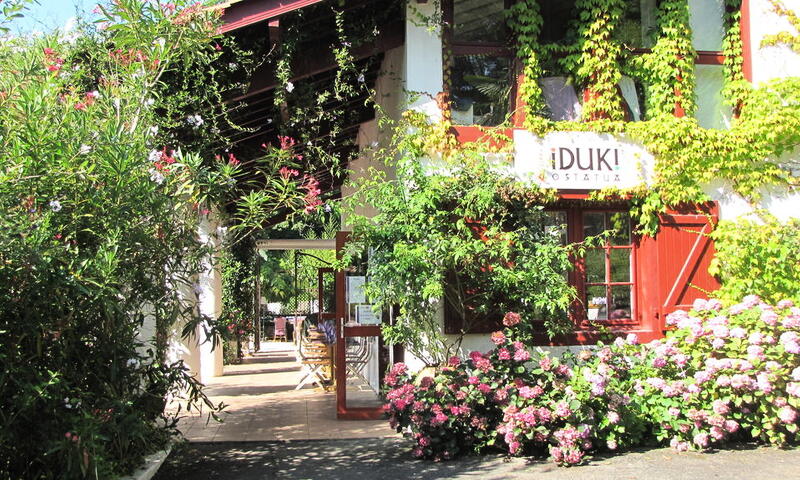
(412,62)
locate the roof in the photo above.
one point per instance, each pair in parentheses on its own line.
(241,13)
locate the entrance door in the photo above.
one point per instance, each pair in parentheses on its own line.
(361,356)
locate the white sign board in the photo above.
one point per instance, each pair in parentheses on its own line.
(366,316)
(355,289)
(580,160)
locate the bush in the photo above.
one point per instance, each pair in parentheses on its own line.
(723,374)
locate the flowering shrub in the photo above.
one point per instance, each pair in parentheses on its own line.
(722,374)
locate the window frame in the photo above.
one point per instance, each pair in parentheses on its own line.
(516,107)
(452,48)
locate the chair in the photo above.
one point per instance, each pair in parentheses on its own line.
(280,329)
(314,356)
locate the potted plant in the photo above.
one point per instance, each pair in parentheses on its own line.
(595,305)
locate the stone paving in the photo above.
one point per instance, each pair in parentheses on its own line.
(263,405)
(389,459)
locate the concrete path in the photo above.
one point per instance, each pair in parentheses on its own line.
(388,459)
(263,405)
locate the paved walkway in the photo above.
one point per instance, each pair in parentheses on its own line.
(388,459)
(263,405)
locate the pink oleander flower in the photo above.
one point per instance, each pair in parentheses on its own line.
(787,415)
(511,318)
(498,338)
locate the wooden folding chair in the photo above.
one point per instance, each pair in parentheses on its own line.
(314,356)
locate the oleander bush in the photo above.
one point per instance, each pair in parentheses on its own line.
(724,374)
(99,245)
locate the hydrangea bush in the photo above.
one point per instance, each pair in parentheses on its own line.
(722,374)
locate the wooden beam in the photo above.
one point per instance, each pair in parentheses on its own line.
(243,14)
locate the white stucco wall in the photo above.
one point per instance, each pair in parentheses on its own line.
(205,294)
(423,61)
(773,61)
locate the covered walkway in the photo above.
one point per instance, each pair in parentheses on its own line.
(263,405)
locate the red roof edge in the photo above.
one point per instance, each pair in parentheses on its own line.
(247,13)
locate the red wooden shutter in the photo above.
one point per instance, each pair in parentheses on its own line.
(684,250)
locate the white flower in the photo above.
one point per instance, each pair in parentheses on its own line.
(361,78)
(194,120)
(149,102)
(289,87)
(233,66)
(155,155)
(156,176)
(153,130)
(159,41)
(55,205)
(67,403)
(84,149)
(133,363)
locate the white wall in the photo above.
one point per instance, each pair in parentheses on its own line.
(206,295)
(773,61)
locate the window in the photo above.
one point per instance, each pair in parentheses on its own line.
(479,74)
(604,277)
(480,69)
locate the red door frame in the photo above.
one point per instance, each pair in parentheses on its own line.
(343,412)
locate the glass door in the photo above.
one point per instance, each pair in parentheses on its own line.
(361,356)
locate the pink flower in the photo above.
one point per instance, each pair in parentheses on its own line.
(530,392)
(80,106)
(545,363)
(632,339)
(731,426)
(454,361)
(720,407)
(699,305)
(484,388)
(717,433)
(473,380)
(738,332)
(785,304)
(510,319)
(504,354)
(718,343)
(701,440)
(498,338)
(521,355)
(769,317)
(659,362)
(613,417)
(787,415)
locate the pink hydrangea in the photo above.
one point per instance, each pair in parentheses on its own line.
(521,355)
(503,354)
(498,338)
(613,417)
(530,392)
(511,318)
(785,304)
(787,414)
(701,440)
(738,332)
(769,317)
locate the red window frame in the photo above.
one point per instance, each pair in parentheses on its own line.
(516,103)
(577,277)
(452,48)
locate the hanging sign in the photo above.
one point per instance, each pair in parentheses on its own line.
(580,160)
(366,316)
(355,289)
